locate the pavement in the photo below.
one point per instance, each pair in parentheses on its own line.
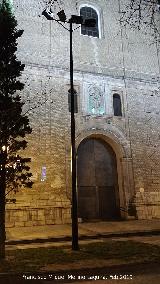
(87,231)
(142,230)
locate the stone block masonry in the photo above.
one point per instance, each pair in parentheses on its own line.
(49,202)
(99,65)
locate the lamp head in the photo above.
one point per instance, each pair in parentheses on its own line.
(48,14)
(76,19)
(62,16)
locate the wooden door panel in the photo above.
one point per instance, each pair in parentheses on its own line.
(103,165)
(97,181)
(87,203)
(107,203)
(86,164)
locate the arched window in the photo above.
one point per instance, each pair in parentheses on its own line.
(88,12)
(117,105)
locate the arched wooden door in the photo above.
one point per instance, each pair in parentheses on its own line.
(98,196)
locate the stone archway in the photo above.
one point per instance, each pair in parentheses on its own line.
(97,181)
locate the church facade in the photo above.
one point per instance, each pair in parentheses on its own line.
(116,79)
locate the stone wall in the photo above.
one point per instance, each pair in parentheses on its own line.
(47,43)
(147,205)
(49,144)
(143,105)
(28,217)
(37,207)
(114,64)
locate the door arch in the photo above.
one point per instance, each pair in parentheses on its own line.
(97,183)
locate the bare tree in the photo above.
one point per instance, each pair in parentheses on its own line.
(138,14)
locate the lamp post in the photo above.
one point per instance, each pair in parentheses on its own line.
(90,23)
(73,151)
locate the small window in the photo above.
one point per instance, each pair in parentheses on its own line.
(117,105)
(87,13)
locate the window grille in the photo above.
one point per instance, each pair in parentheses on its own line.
(88,13)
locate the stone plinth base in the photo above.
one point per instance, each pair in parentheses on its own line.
(27,217)
(148,205)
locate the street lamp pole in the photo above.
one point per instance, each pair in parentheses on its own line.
(73,151)
(89,23)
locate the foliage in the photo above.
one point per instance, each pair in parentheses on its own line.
(14,125)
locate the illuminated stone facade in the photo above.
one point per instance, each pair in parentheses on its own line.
(111,64)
